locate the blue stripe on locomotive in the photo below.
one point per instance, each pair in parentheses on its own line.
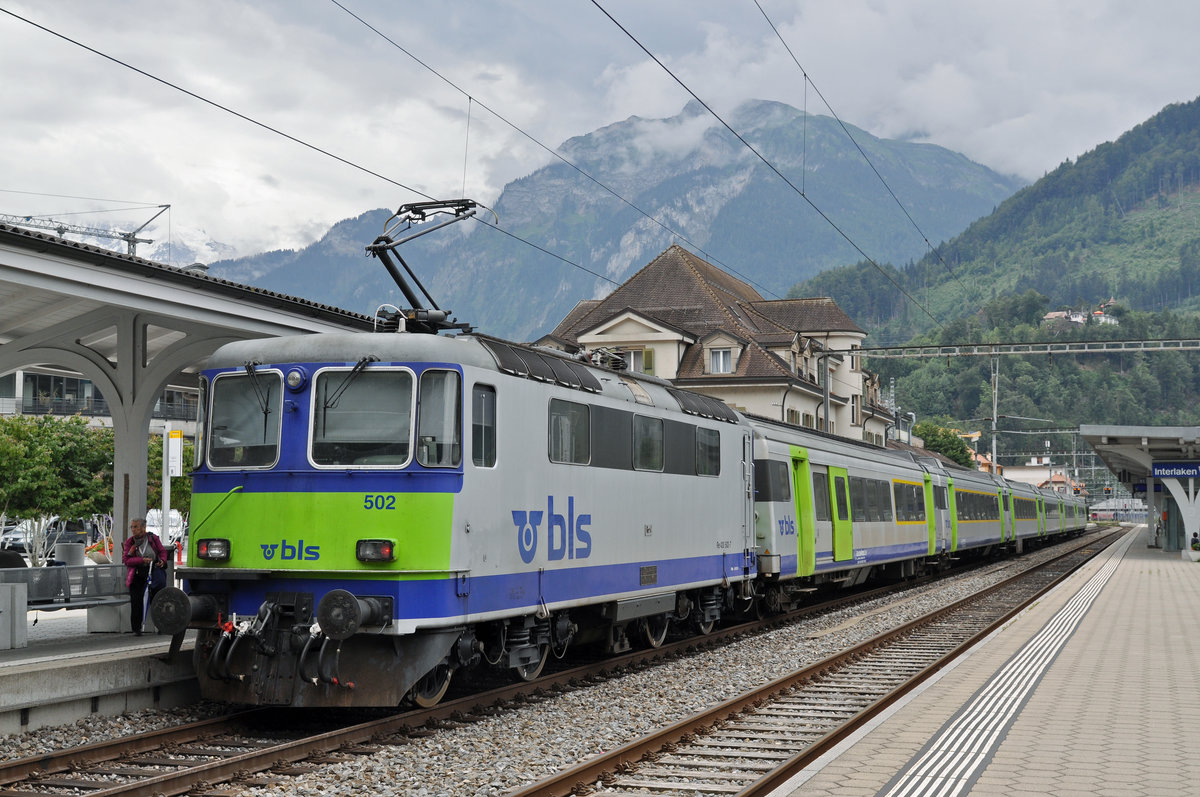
(438,599)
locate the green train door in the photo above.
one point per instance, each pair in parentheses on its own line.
(843,531)
(806,521)
(931,514)
(950,495)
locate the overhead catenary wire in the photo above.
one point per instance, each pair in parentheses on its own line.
(215,104)
(809,81)
(567,161)
(768,164)
(278,132)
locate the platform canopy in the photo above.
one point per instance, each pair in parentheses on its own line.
(1140,455)
(132,327)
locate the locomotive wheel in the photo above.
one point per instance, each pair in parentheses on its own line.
(703,628)
(654,630)
(430,690)
(529,672)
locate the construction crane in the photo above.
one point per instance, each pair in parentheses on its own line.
(62,228)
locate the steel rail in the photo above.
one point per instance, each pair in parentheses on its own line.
(28,771)
(581,777)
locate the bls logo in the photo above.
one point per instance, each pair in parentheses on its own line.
(566,536)
(289,552)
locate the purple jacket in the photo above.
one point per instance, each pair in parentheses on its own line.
(131,555)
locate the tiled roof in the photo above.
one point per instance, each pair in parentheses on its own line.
(755,361)
(820,314)
(684,292)
(677,288)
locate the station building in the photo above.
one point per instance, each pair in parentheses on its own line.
(682,319)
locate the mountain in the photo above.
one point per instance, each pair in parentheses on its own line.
(686,171)
(1121,221)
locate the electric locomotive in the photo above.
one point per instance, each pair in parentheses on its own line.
(372,512)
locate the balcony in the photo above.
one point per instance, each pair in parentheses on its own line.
(89,407)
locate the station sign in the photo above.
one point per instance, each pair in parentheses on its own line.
(175,453)
(1175,470)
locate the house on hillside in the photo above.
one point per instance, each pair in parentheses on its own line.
(684,320)
(1065,317)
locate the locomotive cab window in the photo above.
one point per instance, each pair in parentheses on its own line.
(570,433)
(439,424)
(708,452)
(201,418)
(483,426)
(362,418)
(647,443)
(246,419)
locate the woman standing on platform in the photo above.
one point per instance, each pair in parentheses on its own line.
(145,562)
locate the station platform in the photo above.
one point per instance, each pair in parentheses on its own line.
(65,673)
(1093,690)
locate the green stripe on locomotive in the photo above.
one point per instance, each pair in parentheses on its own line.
(318,531)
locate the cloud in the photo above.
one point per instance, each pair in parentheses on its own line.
(1019,86)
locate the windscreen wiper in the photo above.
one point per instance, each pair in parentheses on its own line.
(358,368)
(261,393)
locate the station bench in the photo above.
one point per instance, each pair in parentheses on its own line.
(57,587)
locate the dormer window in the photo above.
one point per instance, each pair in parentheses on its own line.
(640,361)
(720,361)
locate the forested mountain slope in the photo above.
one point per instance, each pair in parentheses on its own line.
(1121,221)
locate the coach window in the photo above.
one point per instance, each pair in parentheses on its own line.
(939,497)
(246,419)
(570,433)
(858,499)
(839,494)
(883,491)
(362,418)
(771,481)
(708,452)
(647,443)
(439,420)
(483,426)
(821,496)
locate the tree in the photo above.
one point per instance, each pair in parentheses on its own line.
(49,466)
(181,488)
(945,442)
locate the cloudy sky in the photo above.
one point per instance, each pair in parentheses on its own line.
(1019,86)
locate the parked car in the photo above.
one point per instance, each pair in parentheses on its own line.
(17,536)
(13,537)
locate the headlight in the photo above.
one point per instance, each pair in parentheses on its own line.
(375,551)
(213,550)
(296,377)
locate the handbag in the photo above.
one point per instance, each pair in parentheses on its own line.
(157,579)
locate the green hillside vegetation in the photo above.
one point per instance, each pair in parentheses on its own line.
(1158,388)
(1122,221)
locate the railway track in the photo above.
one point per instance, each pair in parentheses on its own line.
(250,749)
(753,743)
